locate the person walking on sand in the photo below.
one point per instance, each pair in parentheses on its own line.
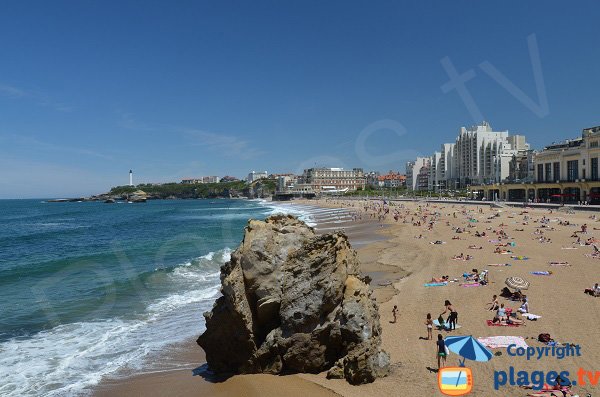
(429,324)
(395,313)
(452,318)
(440,349)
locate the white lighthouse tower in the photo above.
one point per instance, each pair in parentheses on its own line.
(130,178)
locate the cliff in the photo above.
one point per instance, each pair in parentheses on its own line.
(294,302)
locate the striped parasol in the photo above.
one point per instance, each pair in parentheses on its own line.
(517,283)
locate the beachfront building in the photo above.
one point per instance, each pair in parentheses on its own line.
(255,176)
(286,181)
(325,180)
(417,174)
(482,155)
(372,180)
(445,166)
(435,172)
(392,180)
(563,172)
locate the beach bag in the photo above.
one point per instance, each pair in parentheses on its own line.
(545,338)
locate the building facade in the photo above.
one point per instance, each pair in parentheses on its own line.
(482,155)
(334,179)
(415,172)
(565,172)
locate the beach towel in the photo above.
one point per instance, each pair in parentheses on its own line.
(471,285)
(541,273)
(435,284)
(559,264)
(490,323)
(494,342)
(520,258)
(499,264)
(446,326)
(569,248)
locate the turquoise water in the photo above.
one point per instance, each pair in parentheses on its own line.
(88,289)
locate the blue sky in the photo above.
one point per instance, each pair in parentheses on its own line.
(90,89)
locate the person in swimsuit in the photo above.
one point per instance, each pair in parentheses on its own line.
(494,303)
(440,348)
(453,317)
(429,323)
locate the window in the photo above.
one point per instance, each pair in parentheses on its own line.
(594,170)
(540,172)
(556,171)
(572,170)
(594,144)
(548,174)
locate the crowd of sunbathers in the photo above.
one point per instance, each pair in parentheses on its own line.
(507,316)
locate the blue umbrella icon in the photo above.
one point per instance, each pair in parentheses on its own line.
(468,347)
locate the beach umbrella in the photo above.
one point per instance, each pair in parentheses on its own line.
(517,283)
(468,347)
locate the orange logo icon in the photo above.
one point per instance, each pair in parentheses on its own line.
(455,381)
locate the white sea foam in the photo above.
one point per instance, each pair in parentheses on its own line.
(302,212)
(68,359)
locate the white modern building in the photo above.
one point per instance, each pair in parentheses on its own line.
(255,176)
(482,155)
(415,171)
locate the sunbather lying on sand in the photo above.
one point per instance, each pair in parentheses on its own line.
(442,279)
(474,247)
(594,291)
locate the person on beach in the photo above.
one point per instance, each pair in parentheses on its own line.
(494,303)
(501,313)
(429,324)
(440,348)
(395,313)
(453,317)
(524,306)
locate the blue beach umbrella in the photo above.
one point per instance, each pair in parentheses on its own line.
(468,347)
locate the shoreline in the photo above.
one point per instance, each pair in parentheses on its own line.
(363,235)
(403,263)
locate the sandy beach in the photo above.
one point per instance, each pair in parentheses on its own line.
(400,264)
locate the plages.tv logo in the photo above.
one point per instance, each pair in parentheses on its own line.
(458,381)
(455,381)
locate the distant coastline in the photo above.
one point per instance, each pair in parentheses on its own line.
(263,188)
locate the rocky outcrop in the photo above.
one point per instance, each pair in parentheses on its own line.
(294,302)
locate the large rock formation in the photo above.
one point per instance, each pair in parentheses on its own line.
(294,302)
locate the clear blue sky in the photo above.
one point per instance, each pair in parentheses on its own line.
(90,89)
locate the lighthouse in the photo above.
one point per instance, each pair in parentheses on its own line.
(130,178)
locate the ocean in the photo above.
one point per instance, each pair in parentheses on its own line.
(90,289)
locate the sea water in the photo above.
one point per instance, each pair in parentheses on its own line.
(89,289)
